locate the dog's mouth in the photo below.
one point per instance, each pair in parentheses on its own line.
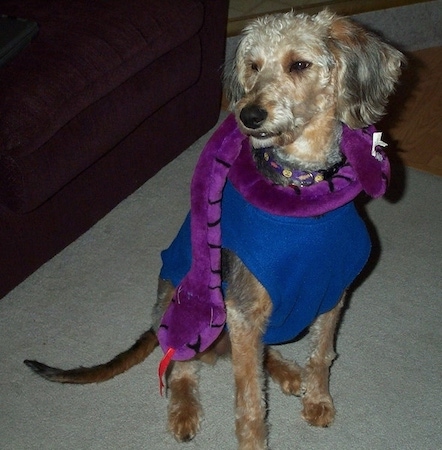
(262,135)
(260,139)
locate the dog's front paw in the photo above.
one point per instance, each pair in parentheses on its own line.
(319,414)
(184,418)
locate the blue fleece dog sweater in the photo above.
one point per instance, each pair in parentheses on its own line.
(304,263)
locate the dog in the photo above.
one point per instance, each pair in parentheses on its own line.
(294,82)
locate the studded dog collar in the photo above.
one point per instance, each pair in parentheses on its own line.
(299,178)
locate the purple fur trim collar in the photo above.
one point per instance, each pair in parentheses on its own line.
(196,314)
(362,172)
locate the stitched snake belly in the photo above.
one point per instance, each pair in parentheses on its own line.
(304,263)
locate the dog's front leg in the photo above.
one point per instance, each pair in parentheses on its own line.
(248,308)
(317,402)
(247,360)
(184,411)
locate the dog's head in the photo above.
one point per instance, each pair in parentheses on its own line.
(295,77)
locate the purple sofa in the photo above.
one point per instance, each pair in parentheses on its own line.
(106,94)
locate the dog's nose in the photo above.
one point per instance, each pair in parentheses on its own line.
(253,116)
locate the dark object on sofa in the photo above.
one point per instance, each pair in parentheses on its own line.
(106,94)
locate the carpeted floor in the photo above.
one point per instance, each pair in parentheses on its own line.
(93,299)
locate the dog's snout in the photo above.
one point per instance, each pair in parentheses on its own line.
(253,116)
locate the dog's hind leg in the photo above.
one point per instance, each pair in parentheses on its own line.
(318,408)
(184,410)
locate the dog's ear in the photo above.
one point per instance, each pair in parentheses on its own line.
(232,86)
(368,70)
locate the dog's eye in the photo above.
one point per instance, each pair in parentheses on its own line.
(299,66)
(254,67)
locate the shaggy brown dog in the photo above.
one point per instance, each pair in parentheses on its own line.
(295,80)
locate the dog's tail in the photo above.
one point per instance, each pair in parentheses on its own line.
(142,348)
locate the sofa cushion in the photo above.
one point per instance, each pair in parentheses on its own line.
(85,50)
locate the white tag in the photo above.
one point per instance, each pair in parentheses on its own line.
(377,140)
